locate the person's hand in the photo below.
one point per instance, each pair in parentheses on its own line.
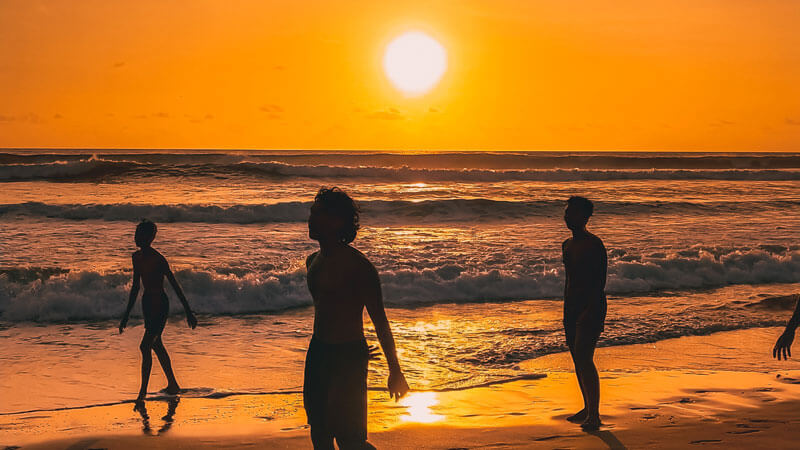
(122,324)
(373,352)
(191,320)
(397,385)
(784,345)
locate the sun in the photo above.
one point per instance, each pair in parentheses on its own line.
(414,62)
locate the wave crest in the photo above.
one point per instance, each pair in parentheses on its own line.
(54,296)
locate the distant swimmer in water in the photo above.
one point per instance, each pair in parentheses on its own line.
(342,282)
(585,264)
(783,348)
(150,268)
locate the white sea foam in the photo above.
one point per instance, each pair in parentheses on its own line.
(76,296)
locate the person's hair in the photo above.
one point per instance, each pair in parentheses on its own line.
(145,233)
(583,204)
(336,202)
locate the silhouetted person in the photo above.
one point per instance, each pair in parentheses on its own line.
(150,268)
(342,283)
(783,348)
(585,264)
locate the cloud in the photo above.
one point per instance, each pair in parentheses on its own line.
(28,118)
(722,123)
(433,110)
(271,108)
(272,111)
(792,122)
(387,114)
(119,64)
(161,115)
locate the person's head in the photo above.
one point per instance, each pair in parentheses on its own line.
(578,211)
(145,233)
(333,217)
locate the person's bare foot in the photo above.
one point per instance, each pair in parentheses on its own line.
(138,405)
(172,389)
(591,424)
(578,417)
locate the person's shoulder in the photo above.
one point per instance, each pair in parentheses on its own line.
(136,256)
(161,258)
(596,240)
(566,242)
(359,259)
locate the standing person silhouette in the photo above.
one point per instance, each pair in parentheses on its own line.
(342,282)
(585,264)
(150,268)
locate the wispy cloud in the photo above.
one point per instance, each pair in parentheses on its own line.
(386,114)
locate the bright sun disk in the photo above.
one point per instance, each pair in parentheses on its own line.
(414,62)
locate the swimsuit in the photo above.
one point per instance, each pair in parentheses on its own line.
(155,308)
(335,389)
(590,319)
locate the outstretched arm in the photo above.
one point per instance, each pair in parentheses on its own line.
(190,318)
(131,298)
(783,347)
(373,299)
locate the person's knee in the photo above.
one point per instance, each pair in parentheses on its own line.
(158,346)
(146,346)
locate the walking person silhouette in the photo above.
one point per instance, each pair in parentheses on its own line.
(149,269)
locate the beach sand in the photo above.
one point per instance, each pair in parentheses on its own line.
(721,390)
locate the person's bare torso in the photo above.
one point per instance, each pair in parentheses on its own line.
(584,262)
(152,268)
(335,285)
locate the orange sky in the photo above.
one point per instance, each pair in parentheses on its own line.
(526,74)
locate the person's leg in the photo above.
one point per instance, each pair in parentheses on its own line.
(321,438)
(348,405)
(166,364)
(569,331)
(146,347)
(585,344)
(356,445)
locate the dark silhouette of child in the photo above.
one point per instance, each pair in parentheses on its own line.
(149,269)
(342,283)
(585,264)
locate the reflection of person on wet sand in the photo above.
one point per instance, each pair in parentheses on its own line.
(342,283)
(169,418)
(150,268)
(783,347)
(585,264)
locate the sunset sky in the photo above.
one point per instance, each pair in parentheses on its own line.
(529,75)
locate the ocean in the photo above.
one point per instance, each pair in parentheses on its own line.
(467,245)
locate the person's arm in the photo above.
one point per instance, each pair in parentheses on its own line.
(190,318)
(566,271)
(373,300)
(603,267)
(132,297)
(783,347)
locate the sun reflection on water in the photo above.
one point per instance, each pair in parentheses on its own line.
(418,407)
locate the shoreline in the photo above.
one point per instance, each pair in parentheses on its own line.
(677,403)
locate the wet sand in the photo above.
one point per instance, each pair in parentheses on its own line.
(717,390)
